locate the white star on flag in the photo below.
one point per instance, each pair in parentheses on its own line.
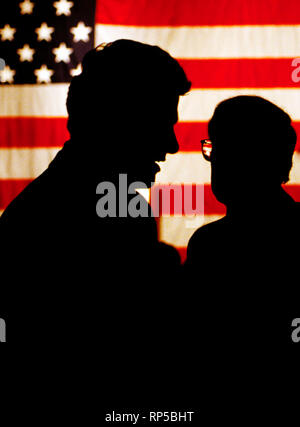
(44,32)
(76,71)
(63,7)
(43,74)
(7,33)
(26,53)
(7,75)
(26,7)
(62,53)
(81,32)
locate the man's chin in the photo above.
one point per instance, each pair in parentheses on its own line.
(145,175)
(148,177)
(149,181)
(141,180)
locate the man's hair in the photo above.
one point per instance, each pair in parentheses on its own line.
(257,126)
(123,69)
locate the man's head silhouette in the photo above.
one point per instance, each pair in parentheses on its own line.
(252,148)
(123,106)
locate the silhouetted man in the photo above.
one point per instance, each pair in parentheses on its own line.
(74,279)
(243,265)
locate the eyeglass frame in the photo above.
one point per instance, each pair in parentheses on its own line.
(206,141)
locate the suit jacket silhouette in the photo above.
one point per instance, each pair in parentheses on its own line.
(66,272)
(246,287)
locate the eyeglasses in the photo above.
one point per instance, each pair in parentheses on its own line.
(206,149)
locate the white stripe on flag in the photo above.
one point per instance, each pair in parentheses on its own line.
(183,167)
(25,163)
(34,100)
(255,41)
(197,105)
(191,168)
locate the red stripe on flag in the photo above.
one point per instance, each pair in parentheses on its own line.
(240,73)
(195,12)
(9,189)
(26,132)
(175,202)
(182,252)
(293,190)
(189,135)
(180,199)
(211,204)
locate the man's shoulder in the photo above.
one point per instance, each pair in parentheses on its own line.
(27,203)
(291,217)
(210,229)
(205,236)
(39,194)
(297,208)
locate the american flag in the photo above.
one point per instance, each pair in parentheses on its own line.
(227,47)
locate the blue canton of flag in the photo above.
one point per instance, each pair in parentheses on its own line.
(44,41)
